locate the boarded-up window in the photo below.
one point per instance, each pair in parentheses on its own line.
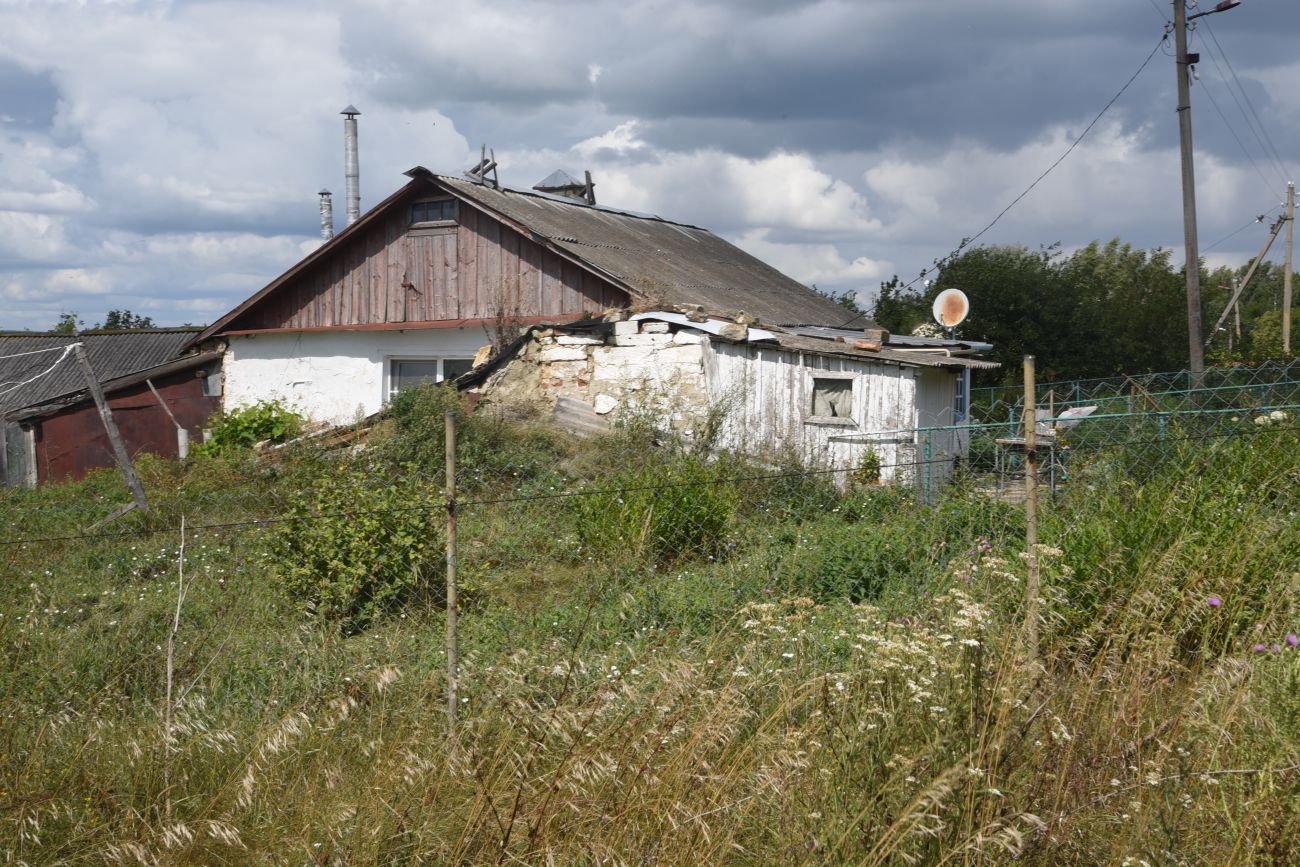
(832,398)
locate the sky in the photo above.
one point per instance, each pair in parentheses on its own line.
(163,156)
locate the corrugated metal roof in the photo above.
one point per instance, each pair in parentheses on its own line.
(821,346)
(895,339)
(659,260)
(112,354)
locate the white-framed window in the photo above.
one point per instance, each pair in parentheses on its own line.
(406,372)
(831,400)
(434,211)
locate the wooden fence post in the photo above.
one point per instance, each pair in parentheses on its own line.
(1031,508)
(110,427)
(453,662)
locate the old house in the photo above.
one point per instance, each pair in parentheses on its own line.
(446,265)
(415,288)
(50,428)
(822,395)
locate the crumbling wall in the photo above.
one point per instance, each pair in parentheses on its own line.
(620,369)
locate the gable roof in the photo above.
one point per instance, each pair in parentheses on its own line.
(654,260)
(112,354)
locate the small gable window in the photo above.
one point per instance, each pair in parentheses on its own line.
(436,211)
(832,398)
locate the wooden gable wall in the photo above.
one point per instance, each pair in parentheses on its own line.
(389,274)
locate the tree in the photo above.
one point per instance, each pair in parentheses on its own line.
(68,323)
(898,309)
(124,320)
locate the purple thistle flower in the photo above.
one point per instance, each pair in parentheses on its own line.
(1259,648)
(1292,640)
(1213,601)
(1276,647)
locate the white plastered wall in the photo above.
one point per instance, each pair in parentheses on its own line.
(332,376)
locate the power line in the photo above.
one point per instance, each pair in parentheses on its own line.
(1253,222)
(17,385)
(1214,102)
(34,352)
(966,242)
(1261,135)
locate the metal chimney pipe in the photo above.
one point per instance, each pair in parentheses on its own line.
(352,165)
(326,215)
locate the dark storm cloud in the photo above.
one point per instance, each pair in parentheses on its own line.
(27,99)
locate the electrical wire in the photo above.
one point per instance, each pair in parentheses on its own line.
(1248,109)
(1214,102)
(45,372)
(1253,222)
(966,242)
(36,352)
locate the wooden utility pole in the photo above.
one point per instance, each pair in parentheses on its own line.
(1286,272)
(453,655)
(110,427)
(1031,509)
(1196,350)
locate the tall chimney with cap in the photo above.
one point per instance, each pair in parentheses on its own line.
(353,166)
(326,215)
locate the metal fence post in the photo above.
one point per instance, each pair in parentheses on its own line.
(1031,509)
(453,661)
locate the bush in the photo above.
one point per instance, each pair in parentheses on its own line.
(488,446)
(266,421)
(680,506)
(356,545)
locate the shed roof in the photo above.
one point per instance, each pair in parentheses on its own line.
(660,261)
(113,355)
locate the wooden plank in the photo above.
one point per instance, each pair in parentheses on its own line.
(396,272)
(489,270)
(467,256)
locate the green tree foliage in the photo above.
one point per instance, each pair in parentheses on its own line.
(68,323)
(124,320)
(1103,310)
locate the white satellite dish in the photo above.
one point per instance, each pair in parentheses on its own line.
(951,308)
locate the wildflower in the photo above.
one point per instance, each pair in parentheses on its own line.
(1213,601)
(1292,640)
(1260,648)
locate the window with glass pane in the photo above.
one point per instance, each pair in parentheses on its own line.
(431,212)
(404,374)
(454,367)
(832,398)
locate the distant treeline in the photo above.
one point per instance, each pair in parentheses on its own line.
(1103,310)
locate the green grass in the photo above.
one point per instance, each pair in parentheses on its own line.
(770,672)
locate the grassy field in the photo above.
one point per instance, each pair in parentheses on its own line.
(689,661)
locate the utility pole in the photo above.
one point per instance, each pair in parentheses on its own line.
(1196,352)
(1183,65)
(1286,271)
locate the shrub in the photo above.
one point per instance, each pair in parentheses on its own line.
(677,507)
(242,428)
(488,446)
(356,545)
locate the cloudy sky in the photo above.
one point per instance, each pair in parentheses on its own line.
(165,156)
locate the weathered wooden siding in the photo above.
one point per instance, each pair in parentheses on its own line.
(393,274)
(768,397)
(936,393)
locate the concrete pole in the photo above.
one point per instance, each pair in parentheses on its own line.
(1286,272)
(1196,351)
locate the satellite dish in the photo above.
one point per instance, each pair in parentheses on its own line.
(951,308)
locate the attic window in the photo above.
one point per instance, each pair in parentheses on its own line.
(832,399)
(435,211)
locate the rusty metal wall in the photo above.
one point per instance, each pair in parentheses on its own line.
(71,442)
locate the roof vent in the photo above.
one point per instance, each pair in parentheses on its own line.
(561,183)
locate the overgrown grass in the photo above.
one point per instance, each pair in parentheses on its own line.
(738,664)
